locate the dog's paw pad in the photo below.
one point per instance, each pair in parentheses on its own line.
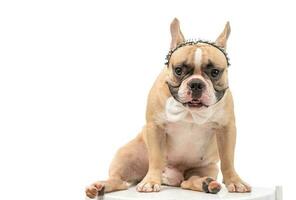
(214,187)
(209,185)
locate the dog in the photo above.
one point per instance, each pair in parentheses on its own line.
(190,125)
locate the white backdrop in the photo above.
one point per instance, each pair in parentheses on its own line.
(74,78)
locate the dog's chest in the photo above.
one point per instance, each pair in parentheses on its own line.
(188,143)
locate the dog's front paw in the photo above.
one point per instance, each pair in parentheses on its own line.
(235,184)
(148,185)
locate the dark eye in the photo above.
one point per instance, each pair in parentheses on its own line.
(178,71)
(215,73)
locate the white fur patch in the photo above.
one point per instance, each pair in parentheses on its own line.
(198,57)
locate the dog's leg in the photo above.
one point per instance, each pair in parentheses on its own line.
(129,165)
(202,179)
(155,141)
(226,145)
(100,187)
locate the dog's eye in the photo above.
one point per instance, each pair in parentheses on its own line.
(178,71)
(215,73)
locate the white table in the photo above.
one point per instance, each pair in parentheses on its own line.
(172,193)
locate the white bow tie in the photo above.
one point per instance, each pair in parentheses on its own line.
(176,111)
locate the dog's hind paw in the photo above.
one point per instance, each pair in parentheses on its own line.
(95,189)
(209,185)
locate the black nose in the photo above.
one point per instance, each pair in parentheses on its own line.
(196,85)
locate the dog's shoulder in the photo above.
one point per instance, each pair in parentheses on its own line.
(158,95)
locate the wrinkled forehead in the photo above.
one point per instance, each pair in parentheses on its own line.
(198,55)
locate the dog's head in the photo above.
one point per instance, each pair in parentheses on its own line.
(197,71)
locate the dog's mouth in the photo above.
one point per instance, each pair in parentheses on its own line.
(195,103)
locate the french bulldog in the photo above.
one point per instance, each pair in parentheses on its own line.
(190,125)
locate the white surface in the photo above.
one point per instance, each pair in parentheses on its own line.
(172,193)
(279,192)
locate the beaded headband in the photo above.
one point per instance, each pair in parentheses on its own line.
(194,42)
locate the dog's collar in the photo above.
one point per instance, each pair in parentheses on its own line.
(194,42)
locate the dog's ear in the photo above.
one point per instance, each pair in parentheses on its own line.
(177,36)
(222,39)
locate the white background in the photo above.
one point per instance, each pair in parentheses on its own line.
(74,78)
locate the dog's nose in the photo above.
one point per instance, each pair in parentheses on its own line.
(196,85)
